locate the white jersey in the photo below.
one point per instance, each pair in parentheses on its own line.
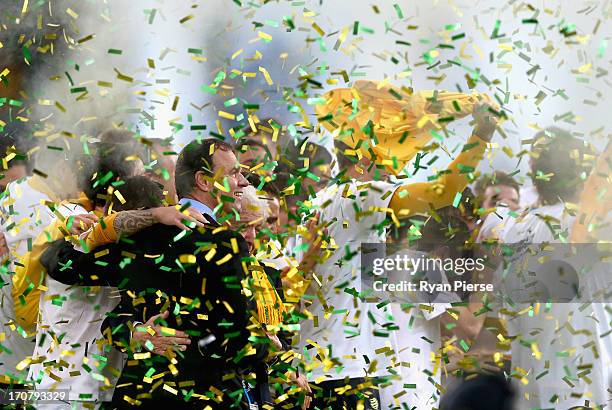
(342,326)
(416,345)
(24,215)
(70,351)
(558,347)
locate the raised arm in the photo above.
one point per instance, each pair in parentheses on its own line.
(595,200)
(126,223)
(422,197)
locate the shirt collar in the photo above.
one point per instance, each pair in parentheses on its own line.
(202,208)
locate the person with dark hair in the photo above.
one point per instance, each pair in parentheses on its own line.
(260,145)
(209,177)
(548,378)
(354,208)
(558,164)
(26,208)
(138,192)
(160,161)
(499,195)
(77,316)
(480,392)
(497,188)
(13,161)
(112,162)
(418,338)
(16,347)
(200,273)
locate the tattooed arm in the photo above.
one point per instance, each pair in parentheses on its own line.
(127,223)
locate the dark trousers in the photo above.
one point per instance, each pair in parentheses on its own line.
(362,391)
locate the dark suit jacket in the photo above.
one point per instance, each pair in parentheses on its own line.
(197,277)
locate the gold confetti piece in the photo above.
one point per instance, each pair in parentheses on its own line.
(266,75)
(226,115)
(264,36)
(86,38)
(186,18)
(72,13)
(234,244)
(220,187)
(209,255)
(237,53)
(318,29)
(119,197)
(187,259)
(101,253)
(228,307)
(224,259)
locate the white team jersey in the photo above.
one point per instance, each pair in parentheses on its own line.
(24,215)
(70,349)
(342,326)
(559,346)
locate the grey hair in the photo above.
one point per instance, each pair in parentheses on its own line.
(253,203)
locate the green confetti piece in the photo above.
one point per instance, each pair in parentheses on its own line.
(230,102)
(602,48)
(457,200)
(495,33)
(398,10)
(208,89)
(464,345)
(78,90)
(115,51)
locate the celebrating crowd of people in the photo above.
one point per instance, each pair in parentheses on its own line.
(229,275)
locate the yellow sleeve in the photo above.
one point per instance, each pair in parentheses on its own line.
(102,233)
(595,200)
(422,197)
(29,277)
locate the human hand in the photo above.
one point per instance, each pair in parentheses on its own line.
(171,215)
(485,120)
(161,343)
(81,223)
(315,236)
(4,249)
(275,341)
(302,382)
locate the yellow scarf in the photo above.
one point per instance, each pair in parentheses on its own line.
(394,122)
(270,307)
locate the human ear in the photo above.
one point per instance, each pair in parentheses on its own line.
(202,181)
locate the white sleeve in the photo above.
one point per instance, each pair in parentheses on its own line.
(433,310)
(441,303)
(374,194)
(25,219)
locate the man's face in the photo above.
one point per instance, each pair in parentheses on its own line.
(505,194)
(12,174)
(228,173)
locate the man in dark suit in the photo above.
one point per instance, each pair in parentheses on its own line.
(183,320)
